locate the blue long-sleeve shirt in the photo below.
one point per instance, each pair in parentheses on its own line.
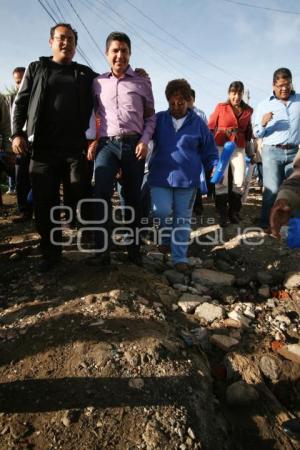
(178,155)
(284,128)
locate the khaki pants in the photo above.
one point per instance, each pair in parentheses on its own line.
(238,168)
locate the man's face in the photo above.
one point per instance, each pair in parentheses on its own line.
(18,76)
(283,88)
(63,45)
(178,106)
(118,55)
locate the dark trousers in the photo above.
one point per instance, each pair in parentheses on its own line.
(46,178)
(111,156)
(23,183)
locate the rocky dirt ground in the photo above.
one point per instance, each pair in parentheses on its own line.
(147,358)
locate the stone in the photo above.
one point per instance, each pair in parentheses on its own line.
(223,342)
(271,303)
(195,262)
(248,312)
(174,277)
(212,277)
(281,318)
(70,416)
(180,287)
(201,289)
(264,291)
(235,315)
(241,394)
(156,256)
(90,299)
(222,265)
(189,302)
(231,323)
(136,383)
(269,367)
(133,359)
(209,312)
(243,280)
(264,277)
(292,280)
(191,434)
(290,352)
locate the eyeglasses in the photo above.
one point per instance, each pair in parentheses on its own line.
(283,86)
(62,38)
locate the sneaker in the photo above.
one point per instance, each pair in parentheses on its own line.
(182,267)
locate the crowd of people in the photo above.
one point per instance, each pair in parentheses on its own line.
(68,125)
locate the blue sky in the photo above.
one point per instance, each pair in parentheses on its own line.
(208,42)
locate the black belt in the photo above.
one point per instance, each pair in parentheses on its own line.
(123,138)
(286,146)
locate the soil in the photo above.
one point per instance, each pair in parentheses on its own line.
(101,359)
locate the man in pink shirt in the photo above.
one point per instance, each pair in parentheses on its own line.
(125,105)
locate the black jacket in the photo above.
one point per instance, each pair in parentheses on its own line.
(31,94)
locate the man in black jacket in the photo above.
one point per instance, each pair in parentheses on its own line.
(55,99)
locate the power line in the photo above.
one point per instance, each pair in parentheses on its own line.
(87,30)
(49,14)
(283,11)
(192,51)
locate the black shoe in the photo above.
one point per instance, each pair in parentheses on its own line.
(99,260)
(135,258)
(48,264)
(292,428)
(223,220)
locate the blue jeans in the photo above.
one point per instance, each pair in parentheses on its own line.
(111,156)
(277,165)
(174,207)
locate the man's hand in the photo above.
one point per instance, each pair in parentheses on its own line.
(280,214)
(19,145)
(266,118)
(141,72)
(141,150)
(91,151)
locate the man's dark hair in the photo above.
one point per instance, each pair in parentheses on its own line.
(193,94)
(179,87)
(117,36)
(19,69)
(282,72)
(66,25)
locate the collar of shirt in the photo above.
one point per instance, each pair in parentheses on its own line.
(178,122)
(129,71)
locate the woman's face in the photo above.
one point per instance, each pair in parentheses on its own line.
(178,106)
(235,97)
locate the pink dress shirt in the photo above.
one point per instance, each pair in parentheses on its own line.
(124,105)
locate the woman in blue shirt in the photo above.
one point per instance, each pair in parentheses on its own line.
(182,143)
